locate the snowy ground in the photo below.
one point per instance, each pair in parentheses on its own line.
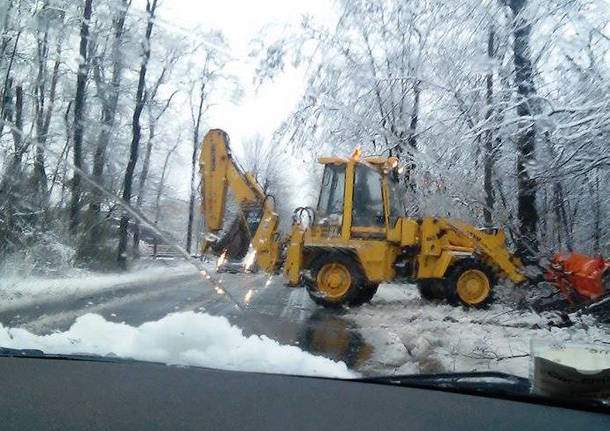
(186,338)
(411,335)
(170,313)
(19,291)
(182,337)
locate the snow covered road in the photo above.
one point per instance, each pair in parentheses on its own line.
(268,308)
(397,332)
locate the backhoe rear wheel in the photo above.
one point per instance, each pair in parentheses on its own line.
(469,282)
(337,280)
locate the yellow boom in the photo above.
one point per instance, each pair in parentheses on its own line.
(219,171)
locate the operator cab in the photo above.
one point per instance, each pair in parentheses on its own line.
(358,199)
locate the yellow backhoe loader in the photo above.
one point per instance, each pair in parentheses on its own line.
(358,235)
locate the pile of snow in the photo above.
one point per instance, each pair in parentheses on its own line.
(186,338)
(412,335)
(19,291)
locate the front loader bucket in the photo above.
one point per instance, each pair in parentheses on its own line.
(580,278)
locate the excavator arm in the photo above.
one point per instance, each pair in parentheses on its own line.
(220,171)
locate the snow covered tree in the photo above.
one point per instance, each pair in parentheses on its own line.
(490,107)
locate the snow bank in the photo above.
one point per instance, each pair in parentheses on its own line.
(416,336)
(18,291)
(186,338)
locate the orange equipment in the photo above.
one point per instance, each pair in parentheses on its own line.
(580,278)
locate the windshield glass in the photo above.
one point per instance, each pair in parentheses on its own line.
(368,199)
(397,208)
(204,183)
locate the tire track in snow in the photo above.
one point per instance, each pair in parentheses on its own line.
(62,320)
(295,308)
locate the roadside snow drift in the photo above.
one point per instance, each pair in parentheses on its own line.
(413,336)
(186,338)
(18,291)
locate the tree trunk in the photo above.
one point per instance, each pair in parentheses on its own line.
(39,175)
(43,122)
(141,183)
(196,125)
(597,213)
(135,137)
(189,228)
(18,129)
(11,181)
(110,97)
(5,37)
(544,219)
(20,147)
(527,246)
(7,85)
(61,161)
(412,141)
(489,138)
(79,107)
(561,215)
(153,119)
(159,192)
(413,207)
(7,115)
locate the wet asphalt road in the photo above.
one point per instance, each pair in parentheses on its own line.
(284,314)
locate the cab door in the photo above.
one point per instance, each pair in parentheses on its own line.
(330,208)
(368,218)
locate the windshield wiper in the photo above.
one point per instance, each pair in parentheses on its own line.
(488,384)
(483,381)
(7,352)
(31,353)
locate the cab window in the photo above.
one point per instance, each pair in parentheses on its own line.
(330,202)
(396,206)
(367,210)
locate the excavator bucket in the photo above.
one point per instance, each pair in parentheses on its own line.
(234,241)
(580,278)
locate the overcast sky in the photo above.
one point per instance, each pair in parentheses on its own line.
(261,109)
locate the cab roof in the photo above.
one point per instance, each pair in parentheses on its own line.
(379,162)
(372,160)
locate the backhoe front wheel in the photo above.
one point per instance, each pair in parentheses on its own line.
(337,280)
(469,282)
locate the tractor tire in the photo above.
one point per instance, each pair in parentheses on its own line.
(431,289)
(366,294)
(469,282)
(337,280)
